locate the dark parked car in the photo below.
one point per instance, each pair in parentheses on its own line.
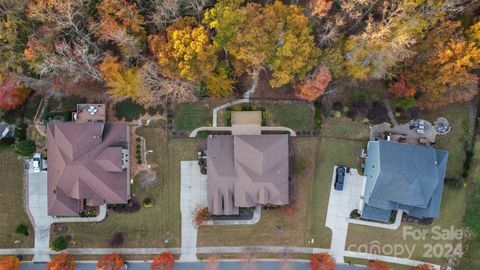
(339,178)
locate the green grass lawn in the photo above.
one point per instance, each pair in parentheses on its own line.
(454,142)
(190,116)
(294,116)
(344,128)
(148,227)
(11,194)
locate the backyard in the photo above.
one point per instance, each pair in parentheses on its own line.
(148,227)
(11,194)
(190,116)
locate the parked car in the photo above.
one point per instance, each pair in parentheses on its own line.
(37,162)
(339,178)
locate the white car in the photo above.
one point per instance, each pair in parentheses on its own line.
(37,162)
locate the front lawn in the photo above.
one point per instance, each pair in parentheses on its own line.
(344,128)
(11,194)
(149,227)
(190,116)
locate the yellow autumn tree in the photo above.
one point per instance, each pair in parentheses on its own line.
(185,51)
(220,84)
(441,72)
(296,54)
(122,82)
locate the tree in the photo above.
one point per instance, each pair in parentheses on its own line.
(60,243)
(62,261)
(296,55)
(441,72)
(320,8)
(25,148)
(14,32)
(377,265)
(212,263)
(12,94)
(220,84)
(165,12)
(155,89)
(110,262)
(401,89)
(185,51)
(118,15)
(122,82)
(474,32)
(225,18)
(9,263)
(322,261)
(424,266)
(314,85)
(164,261)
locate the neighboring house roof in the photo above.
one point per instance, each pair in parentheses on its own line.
(85,162)
(246,170)
(403,177)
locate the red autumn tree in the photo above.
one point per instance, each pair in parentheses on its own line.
(164,261)
(212,263)
(62,261)
(314,85)
(12,94)
(9,263)
(401,89)
(322,261)
(112,261)
(377,265)
(424,266)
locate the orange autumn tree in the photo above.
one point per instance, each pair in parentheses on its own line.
(9,263)
(119,15)
(401,89)
(164,261)
(112,261)
(12,94)
(424,266)
(377,265)
(314,85)
(62,261)
(320,8)
(322,261)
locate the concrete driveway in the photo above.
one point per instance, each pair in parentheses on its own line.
(340,205)
(193,194)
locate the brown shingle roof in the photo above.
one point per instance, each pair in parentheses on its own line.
(85,163)
(246,170)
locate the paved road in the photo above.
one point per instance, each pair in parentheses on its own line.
(197,266)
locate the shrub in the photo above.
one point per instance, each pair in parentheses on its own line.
(25,148)
(337,106)
(22,229)
(318,117)
(138,139)
(202,134)
(60,243)
(338,114)
(128,110)
(468,160)
(377,112)
(455,182)
(117,240)
(110,262)
(148,203)
(201,215)
(377,265)
(20,132)
(424,266)
(405,103)
(227,118)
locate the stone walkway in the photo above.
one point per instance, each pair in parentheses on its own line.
(226,105)
(193,194)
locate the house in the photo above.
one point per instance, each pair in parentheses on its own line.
(246,170)
(404,177)
(88,165)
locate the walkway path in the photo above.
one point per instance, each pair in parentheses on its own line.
(37,119)
(391,116)
(193,194)
(226,105)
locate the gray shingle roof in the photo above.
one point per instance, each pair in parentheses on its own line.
(403,176)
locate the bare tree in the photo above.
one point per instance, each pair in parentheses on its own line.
(166,11)
(195,7)
(129,45)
